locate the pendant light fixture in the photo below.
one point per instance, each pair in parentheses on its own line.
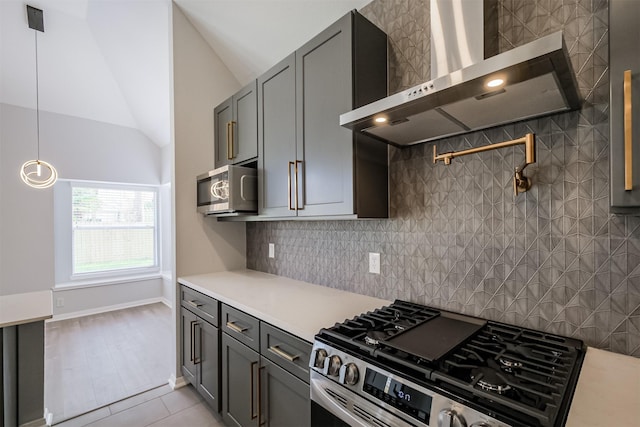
(37,173)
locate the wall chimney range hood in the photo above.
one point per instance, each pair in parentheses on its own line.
(532,80)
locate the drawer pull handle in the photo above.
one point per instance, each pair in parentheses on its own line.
(276,350)
(628,146)
(194,304)
(236,328)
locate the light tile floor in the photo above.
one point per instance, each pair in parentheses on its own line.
(159,407)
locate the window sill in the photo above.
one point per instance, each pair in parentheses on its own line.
(106,281)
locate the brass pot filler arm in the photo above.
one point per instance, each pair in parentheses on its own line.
(520,182)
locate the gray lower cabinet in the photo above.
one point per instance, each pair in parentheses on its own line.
(236,128)
(208,361)
(310,166)
(239,379)
(187,326)
(624,111)
(265,377)
(201,356)
(284,399)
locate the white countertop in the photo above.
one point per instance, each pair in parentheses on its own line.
(25,308)
(608,391)
(299,308)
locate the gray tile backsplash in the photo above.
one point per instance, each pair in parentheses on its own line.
(553,258)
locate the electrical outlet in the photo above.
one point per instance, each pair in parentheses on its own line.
(374,262)
(272,250)
(59,302)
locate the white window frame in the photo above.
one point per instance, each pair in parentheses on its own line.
(120,272)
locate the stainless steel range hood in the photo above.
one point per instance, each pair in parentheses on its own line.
(537,80)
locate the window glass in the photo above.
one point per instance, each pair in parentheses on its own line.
(113,228)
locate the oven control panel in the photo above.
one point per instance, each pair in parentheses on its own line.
(399,395)
(406,399)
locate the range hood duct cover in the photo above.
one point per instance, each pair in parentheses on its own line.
(538,80)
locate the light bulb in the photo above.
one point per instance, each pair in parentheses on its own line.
(495,82)
(38,168)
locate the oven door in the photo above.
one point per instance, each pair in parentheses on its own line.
(334,405)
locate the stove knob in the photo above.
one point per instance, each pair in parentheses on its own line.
(334,365)
(320,356)
(349,374)
(450,418)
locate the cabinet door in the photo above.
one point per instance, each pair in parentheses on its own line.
(208,358)
(223,119)
(624,34)
(239,383)
(277,138)
(284,399)
(324,91)
(244,126)
(188,322)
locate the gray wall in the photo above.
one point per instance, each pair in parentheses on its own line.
(79,149)
(553,258)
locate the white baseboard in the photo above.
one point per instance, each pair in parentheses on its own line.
(108,308)
(176,383)
(166,302)
(48,416)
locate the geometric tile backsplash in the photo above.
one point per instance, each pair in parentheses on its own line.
(553,258)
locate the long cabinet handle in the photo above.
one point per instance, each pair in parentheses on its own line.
(197,353)
(261,419)
(192,342)
(236,328)
(233,154)
(291,208)
(276,350)
(253,415)
(628,146)
(296,182)
(229,142)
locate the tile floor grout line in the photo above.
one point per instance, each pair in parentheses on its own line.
(108,405)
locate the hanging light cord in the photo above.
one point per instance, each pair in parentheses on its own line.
(37,96)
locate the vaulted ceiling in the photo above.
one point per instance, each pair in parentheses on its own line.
(109,60)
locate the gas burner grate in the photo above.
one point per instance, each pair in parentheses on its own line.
(520,369)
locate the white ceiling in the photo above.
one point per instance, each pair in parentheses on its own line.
(108,60)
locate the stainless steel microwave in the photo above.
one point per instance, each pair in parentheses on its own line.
(229,189)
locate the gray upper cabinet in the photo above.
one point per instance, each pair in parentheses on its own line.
(236,128)
(310,165)
(624,63)
(276,138)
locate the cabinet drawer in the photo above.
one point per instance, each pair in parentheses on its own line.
(286,350)
(200,304)
(241,326)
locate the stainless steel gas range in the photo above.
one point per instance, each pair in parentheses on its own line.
(411,365)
